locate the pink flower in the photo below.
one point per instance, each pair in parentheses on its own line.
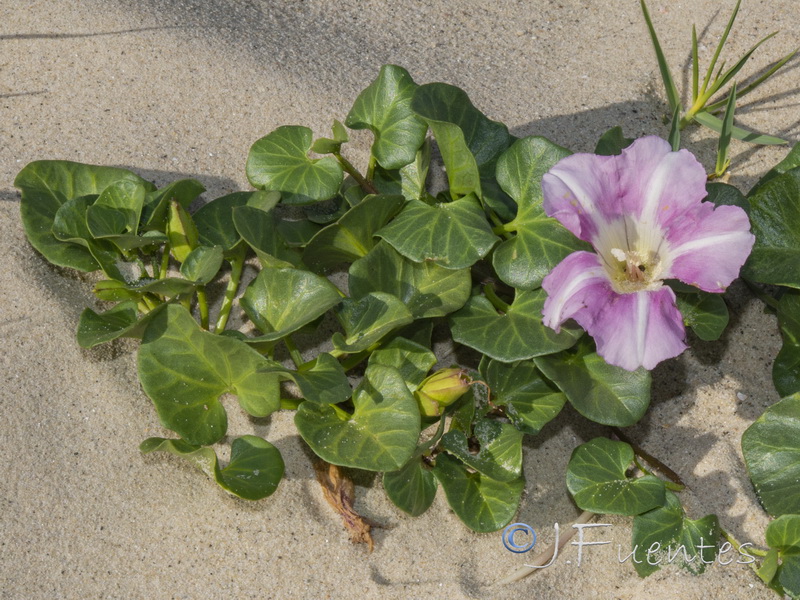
(642,211)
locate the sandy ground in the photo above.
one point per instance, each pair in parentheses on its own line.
(175,89)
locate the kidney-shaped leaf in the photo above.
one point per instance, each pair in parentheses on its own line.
(120,321)
(771,448)
(380,435)
(45,186)
(597,481)
(482,503)
(280,301)
(786,368)
(499,454)
(469,142)
(385,108)
(413,360)
(663,531)
(515,335)
(184,370)
(324,383)
(775,219)
(601,392)
(368,319)
(540,242)
(427,289)
(412,488)
(254,471)
(350,237)
(530,402)
(279,161)
(454,235)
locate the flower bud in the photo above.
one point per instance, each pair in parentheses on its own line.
(441,389)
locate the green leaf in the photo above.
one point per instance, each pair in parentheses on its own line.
(257,228)
(69,225)
(281,301)
(771,448)
(664,535)
(120,321)
(723,162)
(673,97)
(716,125)
(117,209)
(597,481)
(385,108)
(530,402)
(455,122)
(722,194)
(253,473)
(411,359)
(45,186)
(297,233)
(499,455)
(184,370)
(350,238)
(483,504)
(324,383)
(783,534)
(789,576)
(454,235)
(380,435)
(331,145)
(706,314)
(516,335)
(202,264)
(601,392)
(279,161)
(786,368)
(791,161)
(612,142)
(214,221)
(408,180)
(427,289)
(541,242)
(775,221)
(412,488)
(155,211)
(369,319)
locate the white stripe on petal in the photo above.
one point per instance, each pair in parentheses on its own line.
(710,240)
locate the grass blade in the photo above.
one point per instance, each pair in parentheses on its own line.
(669,84)
(695,65)
(722,41)
(751,86)
(723,162)
(731,73)
(675,130)
(715,124)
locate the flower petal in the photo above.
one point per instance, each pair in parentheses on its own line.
(581,191)
(656,184)
(708,246)
(639,329)
(576,289)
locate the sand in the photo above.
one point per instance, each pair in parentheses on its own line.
(175,89)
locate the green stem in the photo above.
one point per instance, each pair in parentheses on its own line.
(736,545)
(237,264)
(500,228)
(290,403)
(495,300)
(353,172)
(650,459)
(371,167)
(202,304)
(293,351)
(162,272)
